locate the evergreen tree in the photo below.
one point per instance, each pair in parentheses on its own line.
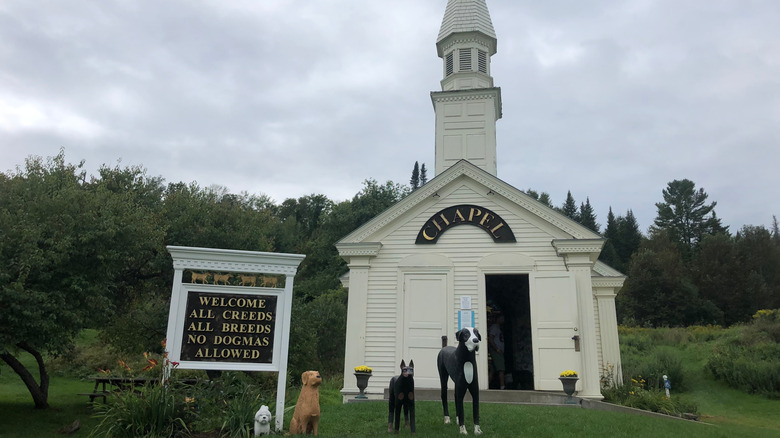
(423,175)
(544,197)
(623,240)
(569,207)
(628,236)
(588,216)
(609,253)
(686,215)
(415,181)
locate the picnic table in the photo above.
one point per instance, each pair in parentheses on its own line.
(105,385)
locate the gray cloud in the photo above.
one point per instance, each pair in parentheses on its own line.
(608,99)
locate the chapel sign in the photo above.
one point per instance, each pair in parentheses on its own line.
(465,214)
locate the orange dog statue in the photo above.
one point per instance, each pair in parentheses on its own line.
(306,417)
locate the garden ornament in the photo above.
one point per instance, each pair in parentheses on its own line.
(401,394)
(667,386)
(263,421)
(460,364)
(306,418)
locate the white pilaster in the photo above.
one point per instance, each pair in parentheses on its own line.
(580,255)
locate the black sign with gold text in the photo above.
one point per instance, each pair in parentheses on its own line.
(465,215)
(222,327)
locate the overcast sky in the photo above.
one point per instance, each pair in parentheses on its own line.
(609,99)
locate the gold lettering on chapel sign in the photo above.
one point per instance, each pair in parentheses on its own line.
(474,215)
(222,327)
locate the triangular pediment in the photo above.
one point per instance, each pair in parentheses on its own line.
(466,177)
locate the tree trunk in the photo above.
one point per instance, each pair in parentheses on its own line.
(39,392)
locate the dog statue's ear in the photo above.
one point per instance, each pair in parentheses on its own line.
(457,334)
(476,332)
(411,364)
(305,377)
(403,364)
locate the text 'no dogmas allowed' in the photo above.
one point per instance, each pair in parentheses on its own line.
(229,327)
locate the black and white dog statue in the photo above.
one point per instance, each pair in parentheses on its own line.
(460,364)
(402,395)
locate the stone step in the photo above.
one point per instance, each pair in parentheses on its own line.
(496,396)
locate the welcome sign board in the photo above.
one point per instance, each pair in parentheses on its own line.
(230,310)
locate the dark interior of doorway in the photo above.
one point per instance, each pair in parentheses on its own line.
(509,313)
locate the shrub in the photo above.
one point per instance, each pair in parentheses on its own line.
(228,404)
(749,359)
(152,411)
(636,394)
(653,365)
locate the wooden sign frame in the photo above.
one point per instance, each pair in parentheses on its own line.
(244,322)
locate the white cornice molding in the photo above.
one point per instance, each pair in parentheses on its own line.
(228,260)
(613,283)
(359,249)
(578,246)
(499,187)
(578,252)
(493,94)
(476,38)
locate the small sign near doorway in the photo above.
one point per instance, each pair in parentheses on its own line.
(465,319)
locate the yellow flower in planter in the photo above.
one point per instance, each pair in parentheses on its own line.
(569,373)
(363,369)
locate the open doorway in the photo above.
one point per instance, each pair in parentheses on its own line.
(509,332)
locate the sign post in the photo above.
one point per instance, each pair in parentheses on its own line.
(230,310)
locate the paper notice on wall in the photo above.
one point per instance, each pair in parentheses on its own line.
(465,303)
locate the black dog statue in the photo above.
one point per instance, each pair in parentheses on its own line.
(460,364)
(402,395)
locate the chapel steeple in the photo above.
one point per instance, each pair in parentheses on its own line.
(469,105)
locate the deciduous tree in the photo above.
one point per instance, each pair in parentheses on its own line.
(72,249)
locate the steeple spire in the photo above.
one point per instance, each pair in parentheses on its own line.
(469,105)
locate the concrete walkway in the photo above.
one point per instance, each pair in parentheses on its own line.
(537,398)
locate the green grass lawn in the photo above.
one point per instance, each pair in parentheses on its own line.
(725,412)
(729,415)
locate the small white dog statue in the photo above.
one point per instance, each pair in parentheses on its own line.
(263,421)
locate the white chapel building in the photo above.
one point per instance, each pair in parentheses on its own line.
(469,249)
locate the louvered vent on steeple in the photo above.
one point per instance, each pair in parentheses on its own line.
(482,61)
(464,60)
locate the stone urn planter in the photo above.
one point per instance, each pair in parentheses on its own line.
(362,374)
(362,383)
(569,387)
